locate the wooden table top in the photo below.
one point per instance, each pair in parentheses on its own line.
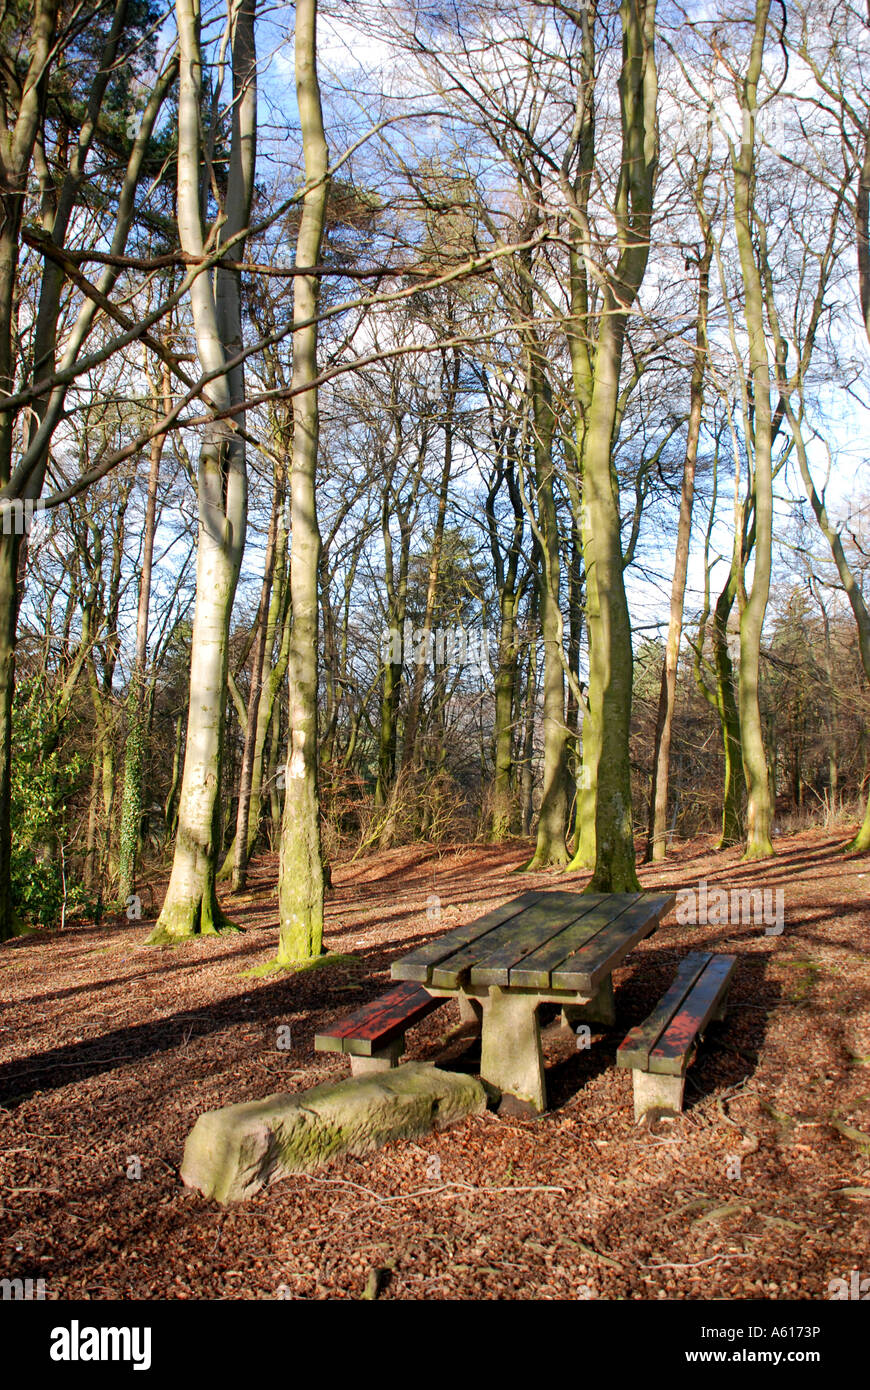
(550,941)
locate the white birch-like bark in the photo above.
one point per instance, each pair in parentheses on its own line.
(191,902)
(300,883)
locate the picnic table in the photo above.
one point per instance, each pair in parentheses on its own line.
(541,947)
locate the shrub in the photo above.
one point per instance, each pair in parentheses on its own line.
(42,779)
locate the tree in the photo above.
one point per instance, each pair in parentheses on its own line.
(25,101)
(131,805)
(300,885)
(656,839)
(191,904)
(754,603)
(597,391)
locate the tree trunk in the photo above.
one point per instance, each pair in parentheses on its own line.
(657,837)
(191,901)
(273,774)
(259,657)
(397,593)
(574,705)
(278,626)
(170,809)
(16,151)
(134,747)
(300,884)
(503,733)
(409,751)
(8,623)
(550,846)
(587,791)
(611,657)
(526,778)
(734,784)
(722,698)
(596,390)
(758,807)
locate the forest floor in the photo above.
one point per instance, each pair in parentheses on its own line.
(110,1050)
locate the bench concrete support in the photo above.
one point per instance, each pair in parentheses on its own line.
(384,1060)
(600,1009)
(511,1057)
(654,1092)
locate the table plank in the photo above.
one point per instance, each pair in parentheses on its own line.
(640,1041)
(418,964)
(490,960)
(669,1056)
(448,973)
(586,968)
(534,972)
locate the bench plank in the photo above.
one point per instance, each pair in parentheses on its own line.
(639,1042)
(585,969)
(372,1027)
(535,970)
(417,965)
(670,1056)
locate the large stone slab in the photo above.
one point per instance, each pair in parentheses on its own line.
(231,1153)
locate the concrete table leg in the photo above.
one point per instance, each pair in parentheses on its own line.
(511,1056)
(470,1010)
(600,1009)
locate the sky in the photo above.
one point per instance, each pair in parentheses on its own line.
(356,67)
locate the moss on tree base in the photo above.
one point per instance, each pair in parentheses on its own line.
(184,921)
(277,967)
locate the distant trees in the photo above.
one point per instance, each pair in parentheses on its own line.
(51,129)
(487,417)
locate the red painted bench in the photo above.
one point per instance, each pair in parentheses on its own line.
(660,1049)
(374,1036)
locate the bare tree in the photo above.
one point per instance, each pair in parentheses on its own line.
(300,886)
(191,904)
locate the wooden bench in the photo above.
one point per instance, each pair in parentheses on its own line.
(661,1048)
(374,1036)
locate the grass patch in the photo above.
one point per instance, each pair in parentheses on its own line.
(809,973)
(786,1122)
(329,960)
(856,1136)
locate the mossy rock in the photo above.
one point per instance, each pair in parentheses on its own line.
(231,1153)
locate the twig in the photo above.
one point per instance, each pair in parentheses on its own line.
(52,1191)
(698,1263)
(605,1259)
(431,1191)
